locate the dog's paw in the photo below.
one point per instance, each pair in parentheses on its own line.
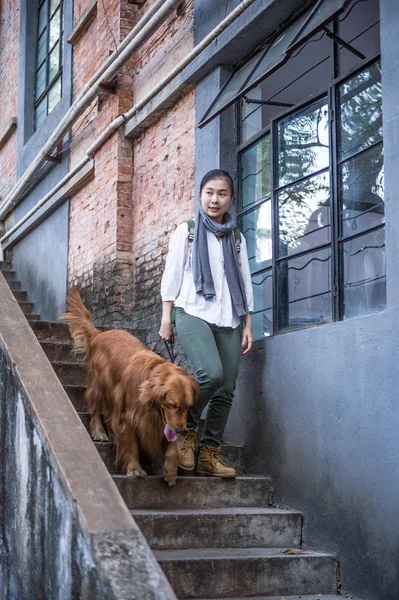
(136,472)
(170,480)
(99,436)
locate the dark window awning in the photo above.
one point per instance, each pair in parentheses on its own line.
(276,53)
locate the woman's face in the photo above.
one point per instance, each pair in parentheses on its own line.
(216,198)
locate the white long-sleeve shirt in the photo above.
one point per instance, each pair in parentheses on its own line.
(178,283)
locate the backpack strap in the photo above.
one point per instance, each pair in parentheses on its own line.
(191,227)
(190,238)
(237,237)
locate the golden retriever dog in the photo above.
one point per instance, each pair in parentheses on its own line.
(141,397)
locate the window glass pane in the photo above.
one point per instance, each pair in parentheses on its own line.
(361,189)
(304,290)
(304,215)
(43,16)
(41,80)
(359,26)
(55,28)
(54,65)
(41,112)
(54,95)
(54,4)
(255,172)
(236,82)
(262,318)
(277,51)
(42,47)
(303,143)
(364,274)
(276,54)
(323,14)
(309,70)
(360,111)
(257,229)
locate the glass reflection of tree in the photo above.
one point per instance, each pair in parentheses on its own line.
(304,149)
(361,127)
(263,233)
(362,191)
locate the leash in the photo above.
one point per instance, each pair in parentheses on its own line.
(169,348)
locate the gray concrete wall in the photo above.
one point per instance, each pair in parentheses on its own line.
(40,544)
(40,258)
(65,531)
(318,409)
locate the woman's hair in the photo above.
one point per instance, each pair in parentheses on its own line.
(217,174)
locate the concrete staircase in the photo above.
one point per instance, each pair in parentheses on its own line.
(213,538)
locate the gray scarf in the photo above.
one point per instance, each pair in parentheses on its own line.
(200,260)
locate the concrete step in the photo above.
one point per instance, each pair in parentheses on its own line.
(76,394)
(9,274)
(52,332)
(55,331)
(5,265)
(153,466)
(33,317)
(14,285)
(20,296)
(26,307)
(195,492)
(62,352)
(220,528)
(70,373)
(218,572)
(296,597)
(107,453)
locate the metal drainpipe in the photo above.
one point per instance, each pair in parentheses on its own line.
(116,123)
(137,36)
(51,193)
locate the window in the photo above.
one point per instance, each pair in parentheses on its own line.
(49,50)
(311,182)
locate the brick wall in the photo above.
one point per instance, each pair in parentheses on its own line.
(169,44)
(100,244)
(163,186)
(9,57)
(121,221)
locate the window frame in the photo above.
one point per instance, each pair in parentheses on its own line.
(46,60)
(29,138)
(336,242)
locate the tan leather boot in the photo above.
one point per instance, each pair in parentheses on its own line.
(186,448)
(211,463)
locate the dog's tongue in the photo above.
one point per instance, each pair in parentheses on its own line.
(170,435)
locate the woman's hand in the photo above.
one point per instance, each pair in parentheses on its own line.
(166,331)
(247,340)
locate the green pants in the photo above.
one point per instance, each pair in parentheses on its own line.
(214,353)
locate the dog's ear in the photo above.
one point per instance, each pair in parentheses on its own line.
(195,388)
(151,391)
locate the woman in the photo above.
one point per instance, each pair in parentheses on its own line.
(210,287)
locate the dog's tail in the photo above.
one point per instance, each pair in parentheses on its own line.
(79,322)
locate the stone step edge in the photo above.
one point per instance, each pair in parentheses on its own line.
(220,554)
(73,362)
(168,512)
(298,597)
(182,478)
(66,343)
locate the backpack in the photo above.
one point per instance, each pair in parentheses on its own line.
(191,226)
